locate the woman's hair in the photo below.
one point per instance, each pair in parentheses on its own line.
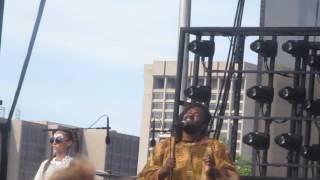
(206,116)
(79,169)
(71,136)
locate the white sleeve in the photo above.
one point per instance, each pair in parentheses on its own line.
(39,175)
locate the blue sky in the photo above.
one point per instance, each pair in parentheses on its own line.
(89,54)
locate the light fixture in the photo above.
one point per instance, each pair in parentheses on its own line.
(266,48)
(204,48)
(198,93)
(314,61)
(289,141)
(257,140)
(262,94)
(293,95)
(311,152)
(313,106)
(297,48)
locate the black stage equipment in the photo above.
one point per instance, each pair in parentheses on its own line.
(314,61)
(262,94)
(289,141)
(313,106)
(204,48)
(311,152)
(293,95)
(297,48)
(153,141)
(198,93)
(107,140)
(266,48)
(257,140)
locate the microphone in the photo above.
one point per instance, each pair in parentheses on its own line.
(153,141)
(107,140)
(181,124)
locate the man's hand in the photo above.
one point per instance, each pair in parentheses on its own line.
(208,165)
(170,164)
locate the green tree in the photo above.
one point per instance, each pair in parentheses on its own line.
(243,165)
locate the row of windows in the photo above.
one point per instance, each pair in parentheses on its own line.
(161,124)
(159,95)
(170,105)
(159,105)
(158,115)
(170,82)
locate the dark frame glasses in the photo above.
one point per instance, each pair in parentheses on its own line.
(56,140)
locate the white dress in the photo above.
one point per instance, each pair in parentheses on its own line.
(53,167)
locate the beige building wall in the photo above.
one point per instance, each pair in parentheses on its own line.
(95,148)
(14,149)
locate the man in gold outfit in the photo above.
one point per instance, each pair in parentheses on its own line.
(196,156)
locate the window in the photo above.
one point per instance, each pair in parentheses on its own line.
(168,115)
(200,81)
(224,126)
(156,114)
(212,106)
(241,97)
(241,106)
(171,83)
(214,97)
(169,95)
(167,125)
(157,105)
(158,83)
(157,95)
(223,137)
(169,105)
(242,83)
(214,83)
(220,81)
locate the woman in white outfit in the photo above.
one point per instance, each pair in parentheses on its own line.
(61,142)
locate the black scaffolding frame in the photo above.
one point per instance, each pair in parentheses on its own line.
(299,78)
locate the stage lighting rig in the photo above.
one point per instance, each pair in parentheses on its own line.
(262,94)
(289,141)
(198,93)
(313,106)
(311,152)
(204,48)
(293,95)
(266,48)
(297,48)
(257,140)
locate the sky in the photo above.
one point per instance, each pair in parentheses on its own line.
(89,55)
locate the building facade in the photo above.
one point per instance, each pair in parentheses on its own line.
(159,89)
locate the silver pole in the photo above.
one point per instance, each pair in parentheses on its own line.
(184,21)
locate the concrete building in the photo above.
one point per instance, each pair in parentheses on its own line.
(159,88)
(29,146)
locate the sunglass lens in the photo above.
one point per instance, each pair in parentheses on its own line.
(51,140)
(58,140)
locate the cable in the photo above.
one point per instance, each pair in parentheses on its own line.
(95,122)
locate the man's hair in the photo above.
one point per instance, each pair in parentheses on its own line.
(206,116)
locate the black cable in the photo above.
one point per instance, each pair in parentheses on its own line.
(231,62)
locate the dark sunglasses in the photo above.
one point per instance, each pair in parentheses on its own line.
(56,140)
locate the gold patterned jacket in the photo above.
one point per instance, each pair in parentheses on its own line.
(189,160)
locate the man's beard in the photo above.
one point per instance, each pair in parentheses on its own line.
(192,127)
